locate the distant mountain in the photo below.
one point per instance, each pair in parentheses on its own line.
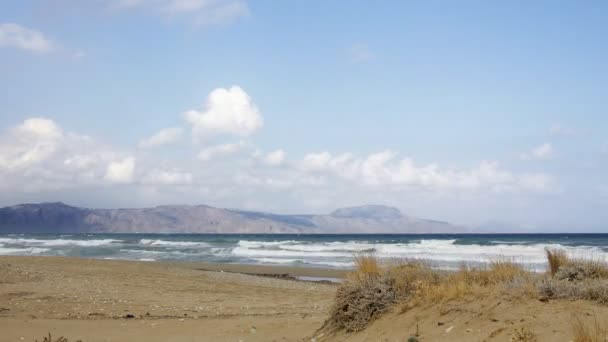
(61,218)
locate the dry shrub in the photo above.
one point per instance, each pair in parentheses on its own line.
(563,267)
(589,289)
(594,331)
(365,295)
(575,278)
(59,339)
(579,269)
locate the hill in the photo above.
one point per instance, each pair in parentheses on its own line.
(58,217)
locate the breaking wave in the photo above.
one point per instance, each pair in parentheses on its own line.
(447,252)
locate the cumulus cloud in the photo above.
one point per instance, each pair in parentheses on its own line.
(542,152)
(120,171)
(38,158)
(167,177)
(33,141)
(19,37)
(275,158)
(162,137)
(216,151)
(227,111)
(383,169)
(199,12)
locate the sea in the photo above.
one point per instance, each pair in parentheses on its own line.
(443,251)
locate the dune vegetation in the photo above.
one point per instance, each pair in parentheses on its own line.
(375,288)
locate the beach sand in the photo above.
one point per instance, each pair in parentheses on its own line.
(110,300)
(94,300)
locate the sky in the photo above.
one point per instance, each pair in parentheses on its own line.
(482,113)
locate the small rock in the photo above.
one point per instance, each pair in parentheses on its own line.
(469,330)
(129,316)
(253,329)
(440,323)
(447,331)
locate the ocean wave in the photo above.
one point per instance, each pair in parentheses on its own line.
(261,244)
(58,242)
(165,243)
(22,251)
(446,251)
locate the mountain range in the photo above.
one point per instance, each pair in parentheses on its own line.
(58,217)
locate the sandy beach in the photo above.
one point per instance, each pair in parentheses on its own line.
(107,300)
(110,300)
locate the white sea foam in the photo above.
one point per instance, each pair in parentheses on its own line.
(277,261)
(164,243)
(22,251)
(58,242)
(435,250)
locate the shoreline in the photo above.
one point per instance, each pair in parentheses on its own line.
(260,270)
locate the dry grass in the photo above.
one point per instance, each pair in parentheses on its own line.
(590,331)
(434,286)
(366,265)
(556,258)
(374,288)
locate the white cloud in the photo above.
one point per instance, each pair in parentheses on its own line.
(382,169)
(32,142)
(38,158)
(121,171)
(163,137)
(275,158)
(17,36)
(227,111)
(316,161)
(212,152)
(41,127)
(542,152)
(199,12)
(167,177)
(80,162)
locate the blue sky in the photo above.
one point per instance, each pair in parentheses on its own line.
(471,112)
